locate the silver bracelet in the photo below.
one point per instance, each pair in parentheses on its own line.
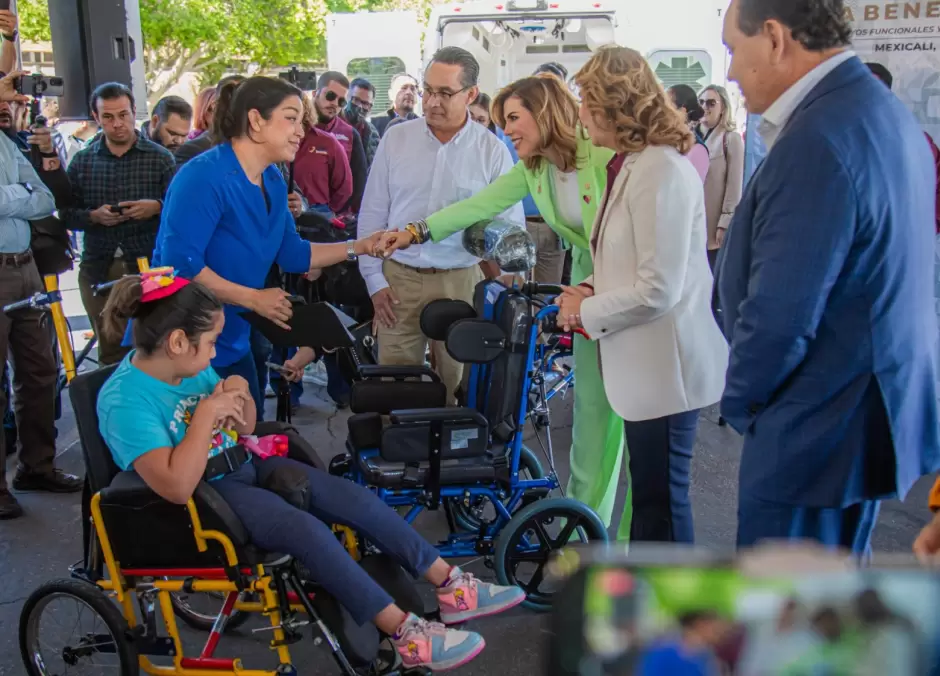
(424,233)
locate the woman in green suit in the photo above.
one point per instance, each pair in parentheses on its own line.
(566,175)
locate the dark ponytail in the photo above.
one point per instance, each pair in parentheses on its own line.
(224,93)
(263,94)
(685,97)
(193,309)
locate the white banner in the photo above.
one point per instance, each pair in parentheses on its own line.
(905,38)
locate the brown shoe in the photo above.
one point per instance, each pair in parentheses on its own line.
(9,507)
(55,481)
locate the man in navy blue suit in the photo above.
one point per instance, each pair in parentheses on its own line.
(826,280)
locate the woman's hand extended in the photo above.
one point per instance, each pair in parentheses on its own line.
(372,245)
(272,304)
(396,240)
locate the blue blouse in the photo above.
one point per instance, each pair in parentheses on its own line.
(215,217)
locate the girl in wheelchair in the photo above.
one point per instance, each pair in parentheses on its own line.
(167,414)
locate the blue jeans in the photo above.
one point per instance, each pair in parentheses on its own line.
(246,368)
(274,525)
(660,464)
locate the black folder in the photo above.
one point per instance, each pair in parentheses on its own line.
(319,325)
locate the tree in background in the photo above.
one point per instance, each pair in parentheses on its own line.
(211,37)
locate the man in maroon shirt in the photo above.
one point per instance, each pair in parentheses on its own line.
(329,99)
(322,172)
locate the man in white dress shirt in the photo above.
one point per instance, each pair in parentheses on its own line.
(422,166)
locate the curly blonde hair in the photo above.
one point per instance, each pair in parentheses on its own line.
(555,110)
(618,88)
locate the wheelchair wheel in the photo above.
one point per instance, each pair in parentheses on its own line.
(525,545)
(471,517)
(200,610)
(95,636)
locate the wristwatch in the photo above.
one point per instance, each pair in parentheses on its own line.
(12,36)
(351,250)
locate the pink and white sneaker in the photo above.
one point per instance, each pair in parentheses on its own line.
(430,644)
(463,597)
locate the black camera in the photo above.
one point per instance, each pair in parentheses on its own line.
(40,85)
(304,80)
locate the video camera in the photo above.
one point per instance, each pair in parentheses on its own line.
(304,80)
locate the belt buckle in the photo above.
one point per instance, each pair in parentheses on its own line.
(228,460)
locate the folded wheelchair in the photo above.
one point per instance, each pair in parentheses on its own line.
(148,555)
(470,461)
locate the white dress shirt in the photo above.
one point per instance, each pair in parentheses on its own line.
(413,176)
(19,204)
(776,117)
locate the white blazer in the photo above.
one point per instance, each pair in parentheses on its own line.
(661,351)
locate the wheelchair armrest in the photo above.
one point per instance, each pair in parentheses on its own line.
(128,490)
(368,371)
(427,415)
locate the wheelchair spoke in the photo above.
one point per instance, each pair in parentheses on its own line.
(72,639)
(566,532)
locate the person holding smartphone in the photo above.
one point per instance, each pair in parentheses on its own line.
(118,184)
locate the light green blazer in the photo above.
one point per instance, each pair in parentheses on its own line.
(512,187)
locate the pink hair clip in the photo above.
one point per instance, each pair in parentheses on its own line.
(160,283)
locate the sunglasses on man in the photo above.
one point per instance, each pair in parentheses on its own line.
(333,96)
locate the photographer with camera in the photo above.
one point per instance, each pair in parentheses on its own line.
(24,198)
(9,30)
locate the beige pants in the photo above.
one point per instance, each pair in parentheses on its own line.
(549,255)
(404,344)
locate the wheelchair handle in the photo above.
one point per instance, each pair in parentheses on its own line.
(550,326)
(31,302)
(98,288)
(536,289)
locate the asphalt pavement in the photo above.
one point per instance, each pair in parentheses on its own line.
(41,545)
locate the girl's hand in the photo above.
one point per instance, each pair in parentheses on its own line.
(235,384)
(222,406)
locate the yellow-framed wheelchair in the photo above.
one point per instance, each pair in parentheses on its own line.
(142,553)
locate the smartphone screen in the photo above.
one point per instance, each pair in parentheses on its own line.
(704,620)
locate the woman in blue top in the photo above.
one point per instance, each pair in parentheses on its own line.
(226,219)
(168,415)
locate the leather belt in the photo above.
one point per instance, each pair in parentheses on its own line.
(429,271)
(16,260)
(226,462)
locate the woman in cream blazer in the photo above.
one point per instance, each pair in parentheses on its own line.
(648,304)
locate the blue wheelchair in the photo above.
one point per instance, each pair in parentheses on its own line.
(470,461)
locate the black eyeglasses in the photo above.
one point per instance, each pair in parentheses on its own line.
(333,96)
(708,103)
(365,105)
(444,96)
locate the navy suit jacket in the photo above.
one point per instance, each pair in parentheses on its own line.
(826,282)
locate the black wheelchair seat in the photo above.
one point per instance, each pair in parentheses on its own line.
(401,438)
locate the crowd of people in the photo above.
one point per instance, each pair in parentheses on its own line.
(803,302)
